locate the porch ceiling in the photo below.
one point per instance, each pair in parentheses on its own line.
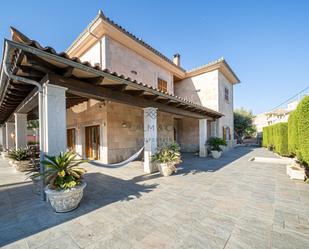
(30,60)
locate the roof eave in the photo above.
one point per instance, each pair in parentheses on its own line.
(220,65)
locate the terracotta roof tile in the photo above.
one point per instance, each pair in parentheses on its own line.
(18,36)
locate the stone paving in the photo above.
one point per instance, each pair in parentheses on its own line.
(225,203)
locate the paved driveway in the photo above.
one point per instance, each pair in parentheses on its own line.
(225,203)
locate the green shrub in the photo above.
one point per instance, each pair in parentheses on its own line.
(268,137)
(293,143)
(265,137)
(275,137)
(281,139)
(303,130)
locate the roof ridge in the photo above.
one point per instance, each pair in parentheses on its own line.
(123,30)
(221,59)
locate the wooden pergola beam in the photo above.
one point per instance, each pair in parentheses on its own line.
(87,90)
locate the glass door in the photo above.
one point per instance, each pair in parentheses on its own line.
(92,134)
(71,139)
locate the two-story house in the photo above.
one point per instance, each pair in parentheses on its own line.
(149,101)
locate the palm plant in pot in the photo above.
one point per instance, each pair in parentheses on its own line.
(167,159)
(64,179)
(20,158)
(215,144)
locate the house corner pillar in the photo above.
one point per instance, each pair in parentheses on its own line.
(9,133)
(20,130)
(54,126)
(202,137)
(150,138)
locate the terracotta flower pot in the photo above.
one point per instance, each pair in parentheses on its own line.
(65,200)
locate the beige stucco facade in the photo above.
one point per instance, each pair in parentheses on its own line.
(122,129)
(208,89)
(121,126)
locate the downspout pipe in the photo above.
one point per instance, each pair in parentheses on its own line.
(10,75)
(100,44)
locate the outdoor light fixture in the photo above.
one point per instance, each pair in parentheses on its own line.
(134,72)
(125,124)
(12,135)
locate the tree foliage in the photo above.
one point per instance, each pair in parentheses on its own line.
(243,123)
(32,124)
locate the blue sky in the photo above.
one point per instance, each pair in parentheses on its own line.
(265,42)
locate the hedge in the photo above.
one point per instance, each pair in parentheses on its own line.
(268,137)
(292,138)
(303,129)
(276,137)
(293,133)
(281,139)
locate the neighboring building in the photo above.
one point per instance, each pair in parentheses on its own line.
(275,116)
(104,114)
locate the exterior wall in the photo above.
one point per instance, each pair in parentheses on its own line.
(165,129)
(125,131)
(88,113)
(208,90)
(226,107)
(201,89)
(93,55)
(121,128)
(260,121)
(123,61)
(188,134)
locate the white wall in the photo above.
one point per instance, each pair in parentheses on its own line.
(93,54)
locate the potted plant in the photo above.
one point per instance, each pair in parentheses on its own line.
(64,181)
(20,158)
(167,159)
(214,144)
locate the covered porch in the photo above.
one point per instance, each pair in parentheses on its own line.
(97,113)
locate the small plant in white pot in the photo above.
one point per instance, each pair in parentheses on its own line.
(65,181)
(214,144)
(167,159)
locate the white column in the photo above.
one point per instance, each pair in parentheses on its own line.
(20,130)
(2,135)
(9,132)
(202,137)
(150,137)
(214,128)
(54,109)
(79,143)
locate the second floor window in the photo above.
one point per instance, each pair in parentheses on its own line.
(226,94)
(162,85)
